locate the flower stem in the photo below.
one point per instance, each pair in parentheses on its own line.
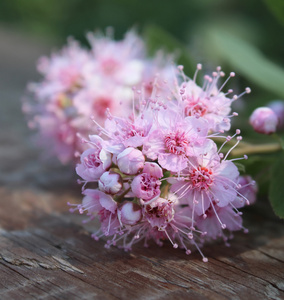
(253,149)
(121,197)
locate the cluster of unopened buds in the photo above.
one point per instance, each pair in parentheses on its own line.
(158,172)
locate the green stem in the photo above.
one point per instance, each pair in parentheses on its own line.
(253,149)
(121,197)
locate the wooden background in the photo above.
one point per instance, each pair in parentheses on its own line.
(45,252)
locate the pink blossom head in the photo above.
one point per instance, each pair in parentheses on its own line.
(110,183)
(159,213)
(264,120)
(147,185)
(129,213)
(130,161)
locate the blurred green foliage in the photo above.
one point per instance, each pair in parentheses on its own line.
(181,18)
(276,191)
(241,36)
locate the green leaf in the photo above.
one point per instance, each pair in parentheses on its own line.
(158,39)
(276,189)
(248,61)
(277,8)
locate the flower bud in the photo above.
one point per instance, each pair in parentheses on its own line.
(129,213)
(130,161)
(110,183)
(147,185)
(264,120)
(278,107)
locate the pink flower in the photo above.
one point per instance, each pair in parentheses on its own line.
(131,131)
(110,183)
(159,213)
(264,120)
(119,60)
(147,185)
(95,99)
(130,161)
(94,161)
(209,104)
(211,224)
(174,139)
(63,71)
(95,201)
(99,204)
(206,181)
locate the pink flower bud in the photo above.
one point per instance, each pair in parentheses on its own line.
(130,161)
(264,120)
(129,213)
(278,107)
(110,183)
(147,185)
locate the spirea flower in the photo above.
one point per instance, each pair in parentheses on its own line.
(160,173)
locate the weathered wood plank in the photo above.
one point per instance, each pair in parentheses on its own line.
(46,253)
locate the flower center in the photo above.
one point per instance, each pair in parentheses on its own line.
(201,178)
(131,131)
(93,160)
(160,214)
(150,184)
(176,142)
(195,108)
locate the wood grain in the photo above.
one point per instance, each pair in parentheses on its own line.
(45,253)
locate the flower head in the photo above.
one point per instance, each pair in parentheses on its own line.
(162,169)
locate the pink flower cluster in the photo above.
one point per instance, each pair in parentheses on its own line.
(78,83)
(160,175)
